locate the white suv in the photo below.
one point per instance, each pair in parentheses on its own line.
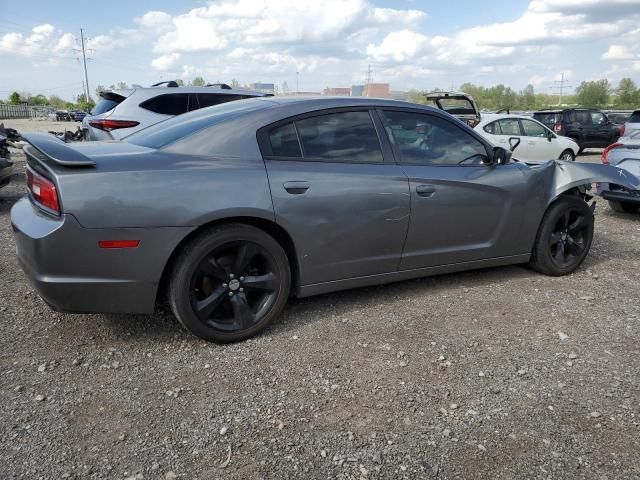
(122,112)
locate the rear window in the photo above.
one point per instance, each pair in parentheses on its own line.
(105,105)
(460,106)
(168,104)
(171,130)
(548,119)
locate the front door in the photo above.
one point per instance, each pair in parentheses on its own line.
(539,141)
(345,204)
(462,209)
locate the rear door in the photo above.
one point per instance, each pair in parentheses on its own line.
(462,209)
(511,128)
(345,202)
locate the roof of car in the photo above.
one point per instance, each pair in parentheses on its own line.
(329,102)
(161,90)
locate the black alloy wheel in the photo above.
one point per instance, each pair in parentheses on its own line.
(568,238)
(564,236)
(233,286)
(229,282)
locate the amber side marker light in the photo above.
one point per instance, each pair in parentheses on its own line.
(119,243)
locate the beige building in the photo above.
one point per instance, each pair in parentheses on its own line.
(338,91)
(378,90)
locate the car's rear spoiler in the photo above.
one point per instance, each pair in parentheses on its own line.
(56,151)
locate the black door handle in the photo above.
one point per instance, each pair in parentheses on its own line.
(425,190)
(296,187)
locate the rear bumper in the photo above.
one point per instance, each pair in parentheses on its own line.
(71,273)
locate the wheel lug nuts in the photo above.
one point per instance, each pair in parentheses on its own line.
(224,285)
(231,294)
(242,279)
(242,289)
(231,275)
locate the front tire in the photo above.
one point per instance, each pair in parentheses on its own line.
(623,207)
(564,237)
(567,156)
(229,282)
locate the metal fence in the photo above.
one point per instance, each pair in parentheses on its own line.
(24,111)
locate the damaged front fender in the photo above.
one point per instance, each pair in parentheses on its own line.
(569,175)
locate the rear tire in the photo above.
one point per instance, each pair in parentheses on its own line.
(564,237)
(623,207)
(229,282)
(567,156)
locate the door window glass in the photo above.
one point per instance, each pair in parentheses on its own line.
(493,128)
(598,118)
(533,129)
(430,140)
(169,104)
(510,126)
(340,137)
(284,141)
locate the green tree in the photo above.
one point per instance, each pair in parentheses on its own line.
(198,82)
(56,102)
(180,82)
(83,104)
(529,97)
(416,96)
(122,85)
(38,100)
(14,98)
(593,94)
(628,94)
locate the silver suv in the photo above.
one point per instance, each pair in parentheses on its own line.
(122,112)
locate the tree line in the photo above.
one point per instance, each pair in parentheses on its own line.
(592,94)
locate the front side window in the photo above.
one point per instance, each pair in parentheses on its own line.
(582,117)
(598,118)
(340,137)
(533,129)
(430,140)
(510,126)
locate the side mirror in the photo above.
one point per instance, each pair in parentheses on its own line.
(513,143)
(501,156)
(549,136)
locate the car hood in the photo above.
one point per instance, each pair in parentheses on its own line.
(567,175)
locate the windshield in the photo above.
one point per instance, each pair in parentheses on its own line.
(163,133)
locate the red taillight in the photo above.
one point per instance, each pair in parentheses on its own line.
(118,243)
(622,128)
(605,152)
(558,128)
(43,191)
(108,125)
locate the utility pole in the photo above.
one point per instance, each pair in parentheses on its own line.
(297,82)
(560,85)
(84,61)
(367,82)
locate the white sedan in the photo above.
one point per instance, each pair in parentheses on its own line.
(537,142)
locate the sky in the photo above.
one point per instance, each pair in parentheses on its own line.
(411,44)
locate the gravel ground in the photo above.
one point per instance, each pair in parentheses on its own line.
(499,373)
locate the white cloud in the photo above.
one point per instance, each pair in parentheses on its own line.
(154,19)
(618,52)
(165,62)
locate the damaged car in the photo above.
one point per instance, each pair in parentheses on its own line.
(6,166)
(458,104)
(228,211)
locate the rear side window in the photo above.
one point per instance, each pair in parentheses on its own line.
(583,117)
(211,99)
(168,104)
(510,126)
(598,118)
(284,141)
(343,137)
(635,117)
(493,128)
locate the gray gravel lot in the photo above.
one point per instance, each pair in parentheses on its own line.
(494,374)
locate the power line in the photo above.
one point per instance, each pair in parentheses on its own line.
(560,86)
(84,61)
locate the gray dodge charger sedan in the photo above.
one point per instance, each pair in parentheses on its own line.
(229,210)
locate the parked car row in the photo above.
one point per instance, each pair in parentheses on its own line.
(227,211)
(68,115)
